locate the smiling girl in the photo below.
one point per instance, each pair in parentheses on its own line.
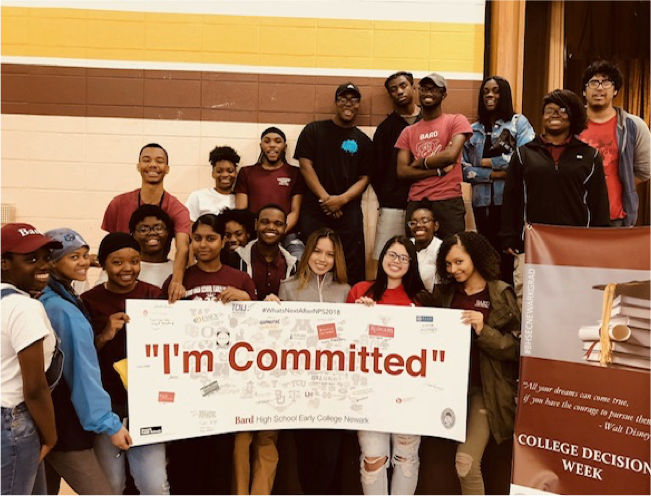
(468,268)
(82,406)
(119,256)
(320,277)
(398,283)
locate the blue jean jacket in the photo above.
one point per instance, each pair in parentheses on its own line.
(487,191)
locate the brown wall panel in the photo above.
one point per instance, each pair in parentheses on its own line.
(115,91)
(229,95)
(195,95)
(185,93)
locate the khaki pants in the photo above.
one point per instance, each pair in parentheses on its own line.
(260,474)
(469,454)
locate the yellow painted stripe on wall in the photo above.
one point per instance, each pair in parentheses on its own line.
(246,40)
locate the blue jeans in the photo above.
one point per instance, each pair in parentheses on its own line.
(147,464)
(21,450)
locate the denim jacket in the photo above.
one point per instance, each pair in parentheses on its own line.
(487,191)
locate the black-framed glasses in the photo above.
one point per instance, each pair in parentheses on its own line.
(604,83)
(421,222)
(392,256)
(561,112)
(343,101)
(428,90)
(157,228)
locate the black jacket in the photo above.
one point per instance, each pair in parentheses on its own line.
(572,193)
(391,191)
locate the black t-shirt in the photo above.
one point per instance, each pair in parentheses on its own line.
(340,156)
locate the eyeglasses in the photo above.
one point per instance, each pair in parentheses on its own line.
(392,256)
(562,112)
(422,222)
(144,230)
(342,101)
(604,83)
(426,90)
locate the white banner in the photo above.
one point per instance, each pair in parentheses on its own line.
(198,368)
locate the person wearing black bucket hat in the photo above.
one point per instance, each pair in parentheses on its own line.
(119,255)
(273,180)
(28,348)
(336,159)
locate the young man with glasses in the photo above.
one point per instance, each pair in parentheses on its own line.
(621,138)
(430,156)
(335,158)
(555,179)
(391,192)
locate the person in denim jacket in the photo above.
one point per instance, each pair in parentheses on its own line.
(486,157)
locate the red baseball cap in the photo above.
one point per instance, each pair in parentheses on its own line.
(24,238)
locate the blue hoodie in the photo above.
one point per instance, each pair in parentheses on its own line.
(81,372)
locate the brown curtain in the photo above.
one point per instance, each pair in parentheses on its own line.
(616,31)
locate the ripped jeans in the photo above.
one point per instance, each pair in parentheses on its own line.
(375,446)
(469,454)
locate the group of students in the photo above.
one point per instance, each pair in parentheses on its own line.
(239,241)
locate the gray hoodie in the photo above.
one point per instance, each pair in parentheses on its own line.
(326,291)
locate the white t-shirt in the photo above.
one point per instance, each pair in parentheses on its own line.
(24,322)
(427,262)
(152,273)
(208,201)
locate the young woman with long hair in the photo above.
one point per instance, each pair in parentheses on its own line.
(398,282)
(468,269)
(320,277)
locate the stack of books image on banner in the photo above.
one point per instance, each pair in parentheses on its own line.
(629,328)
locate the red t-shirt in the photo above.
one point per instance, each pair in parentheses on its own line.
(395,296)
(603,137)
(122,207)
(267,276)
(270,186)
(101,304)
(427,138)
(479,302)
(201,285)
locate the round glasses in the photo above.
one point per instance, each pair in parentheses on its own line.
(144,230)
(422,222)
(392,256)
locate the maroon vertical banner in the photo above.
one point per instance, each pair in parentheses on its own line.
(582,424)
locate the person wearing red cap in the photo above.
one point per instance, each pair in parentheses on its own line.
(29,349)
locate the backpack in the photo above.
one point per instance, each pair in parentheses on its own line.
(55,370)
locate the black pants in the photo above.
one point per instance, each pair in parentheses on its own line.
(349,227)
(488,221)
(450,214)
(317,455)
(201,465)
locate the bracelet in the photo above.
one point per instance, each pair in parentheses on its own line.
(438,172)
(425,163)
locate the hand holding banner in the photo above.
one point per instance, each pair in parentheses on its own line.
(198,368)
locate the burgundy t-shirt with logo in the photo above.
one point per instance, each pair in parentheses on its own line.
(201,285)
(270,186)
